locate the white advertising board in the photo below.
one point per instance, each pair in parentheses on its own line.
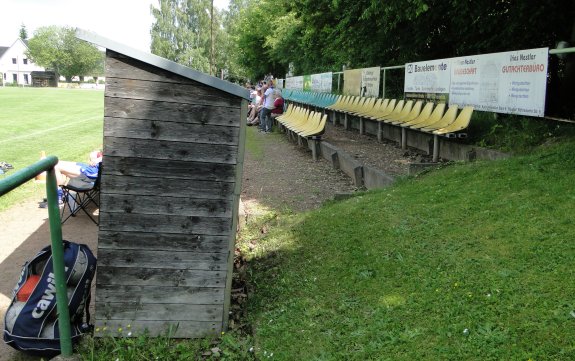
(370,82)
(298,82)
(295,82)
(431,76)
(513,82)
(326,82)
(316,82)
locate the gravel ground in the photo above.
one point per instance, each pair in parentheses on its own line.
(288,178)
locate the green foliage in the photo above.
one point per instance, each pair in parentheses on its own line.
(469,262)
(323,35)
(513,133)
(183,30)
(57,48)
(23,32)
(37,119)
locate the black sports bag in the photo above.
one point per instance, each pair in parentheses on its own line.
(31,321)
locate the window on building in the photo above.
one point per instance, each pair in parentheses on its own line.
(26,79)
(13,60)
(15,78)
(25,61)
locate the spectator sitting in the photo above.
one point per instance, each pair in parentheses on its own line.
(278,104)
(66,170)
(255,108)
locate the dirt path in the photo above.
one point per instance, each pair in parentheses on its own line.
(24,230)
(285,178)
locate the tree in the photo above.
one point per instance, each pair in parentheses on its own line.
(323,35)
(181,32)
(57,48)
(23,32)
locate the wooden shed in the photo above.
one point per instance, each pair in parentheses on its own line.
(171,181)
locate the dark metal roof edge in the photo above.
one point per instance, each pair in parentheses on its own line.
(163,63)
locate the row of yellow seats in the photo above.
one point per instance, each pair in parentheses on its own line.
(429,118)
(302,121)
(351,104)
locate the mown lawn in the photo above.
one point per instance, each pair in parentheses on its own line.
(62,122)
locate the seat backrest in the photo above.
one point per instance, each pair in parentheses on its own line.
(461,122)
(423,115)
(448,118)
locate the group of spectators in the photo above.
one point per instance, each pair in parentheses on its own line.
(266,104)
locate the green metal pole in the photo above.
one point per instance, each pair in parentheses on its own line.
(25,174)
(17,179)
(58,264)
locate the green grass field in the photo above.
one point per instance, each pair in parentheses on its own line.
(62,122)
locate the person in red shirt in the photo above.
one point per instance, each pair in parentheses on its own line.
(278,104)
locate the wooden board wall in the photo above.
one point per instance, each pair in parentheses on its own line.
(171,159)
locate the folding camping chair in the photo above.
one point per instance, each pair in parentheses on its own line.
(79,195)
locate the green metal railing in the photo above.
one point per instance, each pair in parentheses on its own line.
(17,179)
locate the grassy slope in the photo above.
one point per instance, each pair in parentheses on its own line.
(399,274)
(65,123)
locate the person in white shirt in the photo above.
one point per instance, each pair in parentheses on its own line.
(268,106)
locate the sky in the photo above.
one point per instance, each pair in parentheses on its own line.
(124,21)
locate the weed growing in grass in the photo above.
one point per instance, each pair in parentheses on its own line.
(125,346)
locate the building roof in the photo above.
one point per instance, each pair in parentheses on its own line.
(3,49)
(164,63)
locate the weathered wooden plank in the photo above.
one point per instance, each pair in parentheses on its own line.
(181,206)
(162,149)
(158,312)
(162,223)
(190,188)
(111,275)
(162,259)
(162,241)
(178,329)
(160,294)
(151,167)
(173,131)
(167,92)
(171,112)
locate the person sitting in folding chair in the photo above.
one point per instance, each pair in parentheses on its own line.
(66,170)
(79,183)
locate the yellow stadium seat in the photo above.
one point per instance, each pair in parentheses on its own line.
(460,123)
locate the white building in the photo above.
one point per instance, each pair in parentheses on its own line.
(15,67)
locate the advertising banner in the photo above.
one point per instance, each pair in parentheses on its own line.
(513,82)
(326,82)
(430,76)
(352,81)
(307,82)
(295,82)
(316,82)
(370,82)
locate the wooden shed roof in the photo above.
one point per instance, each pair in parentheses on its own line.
(163,63)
